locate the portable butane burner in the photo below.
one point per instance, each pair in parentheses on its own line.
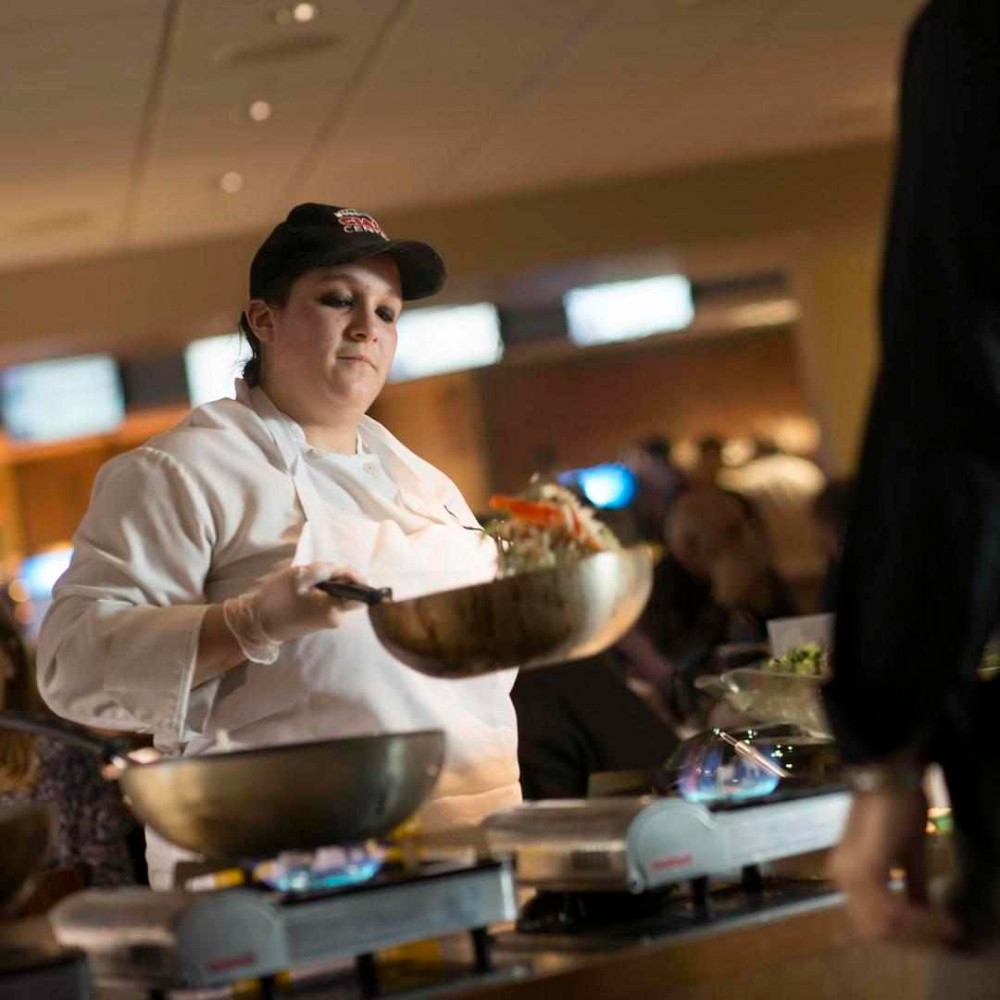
(155,941)
(733,803)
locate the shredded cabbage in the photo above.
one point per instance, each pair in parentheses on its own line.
(544,526)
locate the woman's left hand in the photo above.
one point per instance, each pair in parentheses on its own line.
(886,830)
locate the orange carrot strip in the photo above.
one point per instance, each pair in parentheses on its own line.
(528,510)
(547,515)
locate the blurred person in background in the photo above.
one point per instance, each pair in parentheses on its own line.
(831,511)
(920,578)
(782,488)
(575,719)
(658,484)
(714,588)
(95,839)
(709,461)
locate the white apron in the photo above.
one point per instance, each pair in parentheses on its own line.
(342,682)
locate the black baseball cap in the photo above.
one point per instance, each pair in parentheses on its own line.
(316,235)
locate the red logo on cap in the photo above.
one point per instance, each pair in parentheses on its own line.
(353,221)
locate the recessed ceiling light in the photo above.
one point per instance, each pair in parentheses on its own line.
(231,182)
(259,111)
(298,13)
(302,13)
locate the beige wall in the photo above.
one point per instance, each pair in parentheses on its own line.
(819,214)
(837,282)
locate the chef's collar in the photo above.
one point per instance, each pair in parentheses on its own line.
(300,439)
(244,393)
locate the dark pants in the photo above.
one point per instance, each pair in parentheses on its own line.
(970,755)
(578,718)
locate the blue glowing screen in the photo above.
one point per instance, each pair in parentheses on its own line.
(609,486)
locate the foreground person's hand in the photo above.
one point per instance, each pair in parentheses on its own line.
(886,830)
(286,605)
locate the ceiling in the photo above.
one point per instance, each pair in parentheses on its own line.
(121,116)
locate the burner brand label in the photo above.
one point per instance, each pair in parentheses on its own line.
(674,861)
(230,962)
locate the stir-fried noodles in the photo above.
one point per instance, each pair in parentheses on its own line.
(544,526)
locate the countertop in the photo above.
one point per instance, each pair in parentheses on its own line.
(793,942)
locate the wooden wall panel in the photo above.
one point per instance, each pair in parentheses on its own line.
(45,488)
(585,409)
(53,494)
(441,419)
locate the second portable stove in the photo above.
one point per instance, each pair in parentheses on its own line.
(642,844)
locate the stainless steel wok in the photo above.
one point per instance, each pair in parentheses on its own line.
(257,803)
(577,609)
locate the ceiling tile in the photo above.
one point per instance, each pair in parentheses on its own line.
(456,68)
(73,103)
(415,101)
(203,128)
(675,87)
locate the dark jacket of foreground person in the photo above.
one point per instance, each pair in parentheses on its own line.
(920,586)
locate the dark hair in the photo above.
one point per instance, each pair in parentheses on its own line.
(833,505)
(275,294)
(747,506)
(251,369)
(657,446)
(18,761)
(711,442)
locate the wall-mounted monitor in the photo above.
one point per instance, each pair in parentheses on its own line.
(154,380)
(40,572)
(531,325)
(446,339)
(610,486)
(212,366)
(62,398)
(627,310)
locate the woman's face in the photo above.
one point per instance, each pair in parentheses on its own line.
(706,525)
(332,343)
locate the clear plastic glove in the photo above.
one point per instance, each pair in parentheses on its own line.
(286,605)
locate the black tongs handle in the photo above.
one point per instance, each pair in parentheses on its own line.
(349,591)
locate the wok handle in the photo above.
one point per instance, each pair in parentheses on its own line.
(109,751)
(350,591)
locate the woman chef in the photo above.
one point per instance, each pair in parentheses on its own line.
(189,609)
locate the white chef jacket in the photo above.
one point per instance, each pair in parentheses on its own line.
(197,515)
